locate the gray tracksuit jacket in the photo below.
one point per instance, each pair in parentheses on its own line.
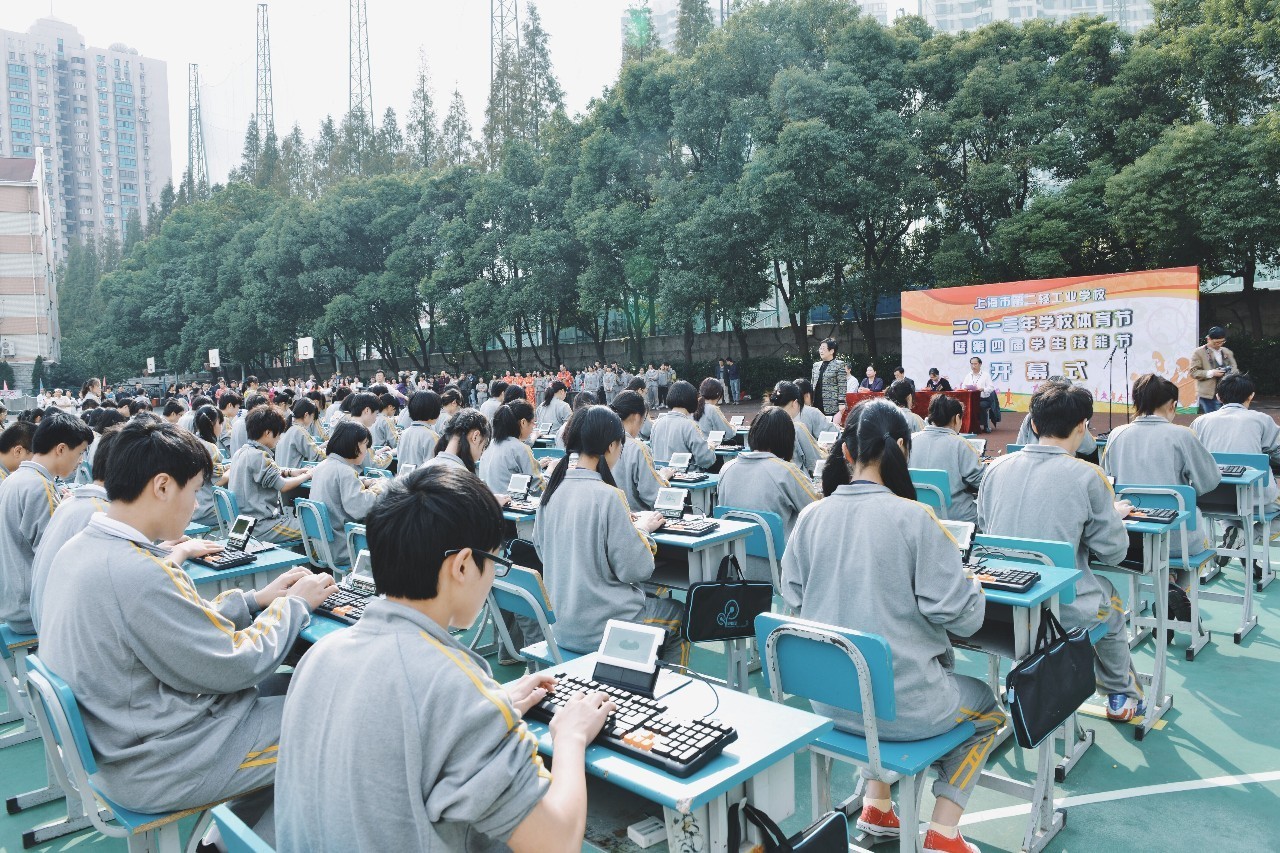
(713,419)
(71,516)
(417,443)
(296,446)
(336,484)
(507,457)
(761,481)
(674,432)
(636,475)
(943,449)
(556,412)
(1026,436)
(1235,429)
(28,498)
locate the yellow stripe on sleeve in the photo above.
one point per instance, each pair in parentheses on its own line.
(468,670)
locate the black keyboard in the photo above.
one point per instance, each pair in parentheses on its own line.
(696,527)
(1155,516)
(640,728)
(228,558)
(688,477)
(732,447)
(1007,580)
(345,605)
(523,507)
(1231,470)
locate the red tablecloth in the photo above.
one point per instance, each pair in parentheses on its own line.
(920,405)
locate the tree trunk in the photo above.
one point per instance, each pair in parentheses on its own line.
(740,333)
(797,319)
(1248,275)
(688,344)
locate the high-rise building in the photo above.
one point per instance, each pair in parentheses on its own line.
(28,293)
(666,16)
(951,16)
(101,117)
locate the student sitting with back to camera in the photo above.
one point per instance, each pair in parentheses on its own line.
(786,396)
(509,453)
(257,481)
(901,392)
(366,409)
(911,589)
(634,472)
(1045,492)
(28,498)
(298,444)
(239,434)
(764,479)
(453,766)
(707,415)
(554,410)
(450,405)
(941,447)
(15,447)
(676,432)
(497,388)
(209,427)
(1237,428)
(178,694)
(594,555)
(1026,435)
(229,404)
(812,417)
(384,431)
(336,483)
(418,440)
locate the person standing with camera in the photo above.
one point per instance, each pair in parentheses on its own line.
(1210,363)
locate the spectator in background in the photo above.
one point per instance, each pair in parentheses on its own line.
(731,379)
(1210,363)
(936,381)
(828,393)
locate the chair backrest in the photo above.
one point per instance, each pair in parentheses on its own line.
(1259,461)
(933,487)
(356,539)
(534,601)
(1012,448)
(62,710)
(767,540)
(236,834)
(314,516)
(377,472)
(548,452)
(225,507)
(1046,552)
(522,552)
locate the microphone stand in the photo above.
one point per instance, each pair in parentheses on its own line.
(1111,372)
(1128,412)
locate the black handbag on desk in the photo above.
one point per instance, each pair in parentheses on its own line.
(1051,684)
(726,608)
(828,834)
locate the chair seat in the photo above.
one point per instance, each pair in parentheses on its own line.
(11,639)
(139,822)
(541,653)
(907,757)
(1195,561)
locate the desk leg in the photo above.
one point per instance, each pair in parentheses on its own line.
(1045,822)
(1156,557)
(706,828)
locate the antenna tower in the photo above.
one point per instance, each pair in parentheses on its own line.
(504,47)
(197,168)
(360,95)
(266,113)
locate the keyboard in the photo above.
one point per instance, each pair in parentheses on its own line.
(525,507)
(1007,580)
(228,558)
(731,447)
(693,527)
(687,477)
(641,729)
(1231,470)
(1155,516)
(345,605)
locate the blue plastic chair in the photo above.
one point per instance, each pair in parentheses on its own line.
(236,834)
(548,453)
(14,648)
(317,535)
(226,508)
(356,539)
(852,671)
(933,489)
(1012,448)
(522,593)
(768,540)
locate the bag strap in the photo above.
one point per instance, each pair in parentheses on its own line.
(775,840)
(729,569)
(1051,630)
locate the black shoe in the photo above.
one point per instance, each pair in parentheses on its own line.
(1230,539)
(1179,607)
(1257,571)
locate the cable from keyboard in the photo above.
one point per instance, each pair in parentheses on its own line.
(689,673)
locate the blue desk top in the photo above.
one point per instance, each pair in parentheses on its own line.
(1053,581)
(711,482)
(519,517)
(767,733)
(1151,528)
(1248,478)
(728,532)
(197,529)
(270,560)
(319,627)
(720,451)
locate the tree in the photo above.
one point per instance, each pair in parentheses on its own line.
(640,37)
(693,25)
(456,144)
(6,375)
(541,95)
(423,135)
(37,373)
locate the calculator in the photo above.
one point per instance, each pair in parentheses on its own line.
(1005,580)
(1154,515)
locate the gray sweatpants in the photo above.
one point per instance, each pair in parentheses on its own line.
(1113,662)
(668,614)
(959,770)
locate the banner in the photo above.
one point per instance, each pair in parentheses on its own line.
(151,365)
(215,358)
(1027,331)
(306,349)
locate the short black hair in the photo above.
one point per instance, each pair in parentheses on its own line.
(424,406)
(773,431)
(497,388)
(346,439)
(261,421)
(60,428)
(256,400)
(201,400)
(146,448)
(1152,391)
(513,392)
(944,409)
(342,393)
(304,407)
(898,392)
(105,419)
(139,404)
(173,407)
(506,420)
(102,455)
(1236,388)
(17,435)
(830,343)
(1059,409)
(230,398)
(363,402)
(682,395)
(418,518)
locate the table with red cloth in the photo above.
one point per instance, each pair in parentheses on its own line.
(920,405)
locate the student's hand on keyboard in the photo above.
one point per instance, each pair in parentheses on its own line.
(503,500)
(313,589)
(667,473)
(649,521)
(1124,508)
(582,718)
(530,690)
(279,586)
(192,548)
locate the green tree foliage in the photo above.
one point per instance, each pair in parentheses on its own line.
(693,25)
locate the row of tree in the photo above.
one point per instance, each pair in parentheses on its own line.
(801,151)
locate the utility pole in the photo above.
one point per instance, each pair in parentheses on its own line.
(197,168)
(266,113)
(504,48)
(1120,13)
(360,94)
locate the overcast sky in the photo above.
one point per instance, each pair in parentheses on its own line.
(309,55)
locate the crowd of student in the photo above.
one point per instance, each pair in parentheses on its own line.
(93,510)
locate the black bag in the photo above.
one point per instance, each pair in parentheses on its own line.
(828,834)
(726,608)
(1051,683)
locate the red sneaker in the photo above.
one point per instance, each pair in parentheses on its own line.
(936,841)
(880,824)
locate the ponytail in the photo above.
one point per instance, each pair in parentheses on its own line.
(205,418)
(553,389)
(785,393)
(461,425)
(709,389)
(871,435)
(590,431)
(506,420)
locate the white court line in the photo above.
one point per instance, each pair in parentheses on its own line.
(1125,794)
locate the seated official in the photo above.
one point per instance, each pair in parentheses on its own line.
(336,483)
(634,473)
(941,447)
(452,765)
(936,381)
(418,440)
(178,695)
(257,481)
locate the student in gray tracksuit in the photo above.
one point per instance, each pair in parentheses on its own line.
(168,682)
(707,415)
(336,483)
(257,481)
(787,396)
(418,440)
(1154,451)
(764,479)
(594,556)
(940,446)
(1026,436)
(1045,492)
(634,472)
(298,445)
(909,588)
(675,431)
(28,498)
(418,748)
(553,409)
(509,454)
(1236,428)
(813,419)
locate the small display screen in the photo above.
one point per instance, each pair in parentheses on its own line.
(680,461)
(631,646)
(736,420)
(670,500)
(573,461)
(715,436)
(828,437)
(544,427)
(363,568)
(817,468)
(519,484)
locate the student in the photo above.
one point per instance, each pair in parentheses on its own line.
(173,411)
(257,481)
(812,417)
(464,442)
(554,410)
(707,415)
(229,405)
(594,556)
(71,516)
(450,405)
(418,441)
(580,402)
(138,405)
(298,445)
(510,454)
(160,672)
(1045,492)
(332,413)
(337,484)
(940,446)
(384,431)
(909,588)
(1236,428)
(365,408)
(454,766)
(786,396)
(15,447)
(28,498)
(634,472)
(901,393)
(675,431)
(497,388)
(188,418)
(209,427)
(764,479)
(4,416)
(1026,435)
(239,434)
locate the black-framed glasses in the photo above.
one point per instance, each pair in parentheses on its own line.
(501,565)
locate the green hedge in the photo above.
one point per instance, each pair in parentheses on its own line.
(1254,355)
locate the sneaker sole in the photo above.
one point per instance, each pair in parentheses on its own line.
(878,831)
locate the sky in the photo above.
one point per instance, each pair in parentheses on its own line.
(309,55)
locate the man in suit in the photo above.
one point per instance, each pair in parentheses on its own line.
(828,379)
(1210,363)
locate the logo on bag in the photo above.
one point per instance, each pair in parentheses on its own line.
(728,617)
